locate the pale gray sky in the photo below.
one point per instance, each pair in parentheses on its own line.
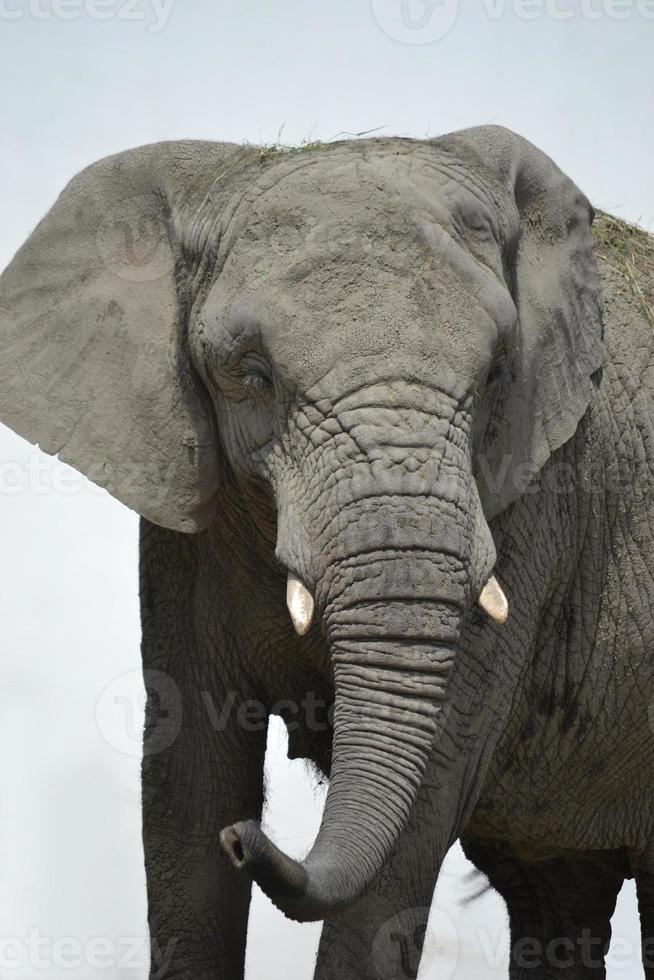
(574,76)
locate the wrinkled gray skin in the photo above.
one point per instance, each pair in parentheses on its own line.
(379,365)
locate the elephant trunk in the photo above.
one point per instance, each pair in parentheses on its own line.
(392,655)
(401,550)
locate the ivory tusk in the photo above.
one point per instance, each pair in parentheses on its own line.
(300,604)
(493,601)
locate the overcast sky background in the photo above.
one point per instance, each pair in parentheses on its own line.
(574,77)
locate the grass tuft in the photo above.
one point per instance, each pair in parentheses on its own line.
(271,151)
(629,250)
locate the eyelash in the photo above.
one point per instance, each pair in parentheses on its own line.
(254,373)
(254,382)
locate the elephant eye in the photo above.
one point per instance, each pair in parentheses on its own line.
(255,374)
(255,382)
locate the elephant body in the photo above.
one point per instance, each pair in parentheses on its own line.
(553,819)
(588,623)
(372,380)
(558,830)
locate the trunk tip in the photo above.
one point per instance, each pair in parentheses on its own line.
(284,880)
(234,841)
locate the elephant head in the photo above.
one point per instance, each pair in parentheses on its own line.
(390,336)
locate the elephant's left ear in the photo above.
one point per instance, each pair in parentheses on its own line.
(555,285)
(93,361)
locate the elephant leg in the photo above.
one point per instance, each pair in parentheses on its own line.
(202,770)
(559,909)
(384,935)
(645,890)
(198,903)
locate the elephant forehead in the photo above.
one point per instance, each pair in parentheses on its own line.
(308,312)
(366,310)
(360,258)
(357,231)
(372,194)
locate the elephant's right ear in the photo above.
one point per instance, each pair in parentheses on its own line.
(93,362)
(557,350)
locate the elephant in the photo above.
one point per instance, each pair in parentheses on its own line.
(385,408)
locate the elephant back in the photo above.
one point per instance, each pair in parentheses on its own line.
(625,258)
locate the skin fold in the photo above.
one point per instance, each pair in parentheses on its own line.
(391,369)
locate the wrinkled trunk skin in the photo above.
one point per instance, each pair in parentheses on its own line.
(403,552)
(390,668)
